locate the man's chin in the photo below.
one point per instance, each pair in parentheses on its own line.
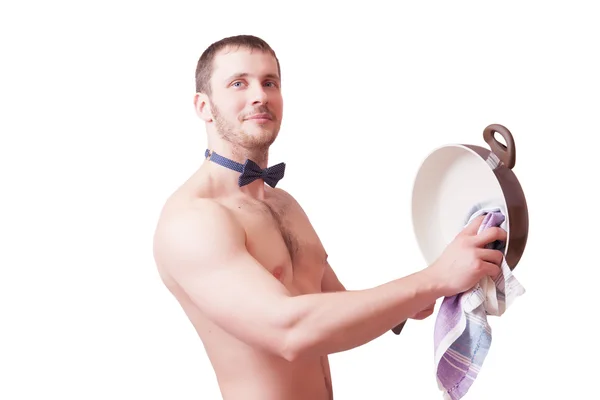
(262,135)
(260,124)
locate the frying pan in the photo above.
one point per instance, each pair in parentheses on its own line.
(454,180)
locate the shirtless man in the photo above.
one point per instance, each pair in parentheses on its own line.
(247,267)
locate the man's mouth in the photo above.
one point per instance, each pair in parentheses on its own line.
(261,116)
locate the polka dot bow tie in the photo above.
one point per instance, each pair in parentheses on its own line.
(249,171)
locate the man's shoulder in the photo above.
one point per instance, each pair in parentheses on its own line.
(200,234)
(288,200)
(285,196)
(199,212)
(199,219)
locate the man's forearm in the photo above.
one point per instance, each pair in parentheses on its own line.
(327,323)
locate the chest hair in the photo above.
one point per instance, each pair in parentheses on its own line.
(280,217)
(279,213)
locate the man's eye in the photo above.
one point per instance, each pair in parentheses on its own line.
(237,84)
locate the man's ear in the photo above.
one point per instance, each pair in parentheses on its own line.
(202,106)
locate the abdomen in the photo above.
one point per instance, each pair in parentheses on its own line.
(245,373)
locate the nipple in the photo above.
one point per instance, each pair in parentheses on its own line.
(277,273)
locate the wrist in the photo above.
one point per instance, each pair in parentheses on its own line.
(432,282)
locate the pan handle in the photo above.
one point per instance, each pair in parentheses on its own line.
(507,154)
(398,328)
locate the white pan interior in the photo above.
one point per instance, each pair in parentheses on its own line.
(451,181)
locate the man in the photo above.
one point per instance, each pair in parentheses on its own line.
(247,267)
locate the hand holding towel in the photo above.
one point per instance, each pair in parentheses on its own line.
(462,336)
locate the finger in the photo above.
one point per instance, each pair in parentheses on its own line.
(491,269)
(423,314)
(473,226)
(491,255)
(490,235)
(429,310)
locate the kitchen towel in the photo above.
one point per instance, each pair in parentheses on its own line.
(462,335)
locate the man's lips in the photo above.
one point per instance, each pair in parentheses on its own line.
(263,116)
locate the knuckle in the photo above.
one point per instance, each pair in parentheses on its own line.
(493,232)
(500,256)
(476,264)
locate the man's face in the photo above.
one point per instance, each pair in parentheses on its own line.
(246,101)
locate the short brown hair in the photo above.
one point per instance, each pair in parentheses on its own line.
(205,63)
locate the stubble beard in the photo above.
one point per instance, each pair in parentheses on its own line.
(244,145)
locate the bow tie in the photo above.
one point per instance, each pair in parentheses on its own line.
(249,171)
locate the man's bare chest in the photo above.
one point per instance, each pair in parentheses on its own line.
(282,239)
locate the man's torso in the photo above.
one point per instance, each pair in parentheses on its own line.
(281,238)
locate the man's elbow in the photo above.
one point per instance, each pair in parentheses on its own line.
(297,344)
(293,338)
(290,349)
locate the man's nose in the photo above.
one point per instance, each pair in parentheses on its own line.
(259,95)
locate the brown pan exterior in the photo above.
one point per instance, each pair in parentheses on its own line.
(501,160)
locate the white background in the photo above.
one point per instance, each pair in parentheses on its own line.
(98,129)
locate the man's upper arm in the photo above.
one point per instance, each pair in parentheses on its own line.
(204,251)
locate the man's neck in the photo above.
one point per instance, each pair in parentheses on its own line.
(227,178)
(240,154)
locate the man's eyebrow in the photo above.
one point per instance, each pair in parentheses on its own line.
(236,76)
(273,76)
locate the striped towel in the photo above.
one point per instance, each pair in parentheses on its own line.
(462,335)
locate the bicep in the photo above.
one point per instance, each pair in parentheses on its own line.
(209,261)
